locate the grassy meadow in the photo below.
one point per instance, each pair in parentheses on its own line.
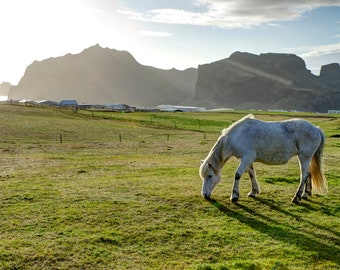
(103,190)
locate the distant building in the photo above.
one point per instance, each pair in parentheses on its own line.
(334,111)
(68,103)
(46,103)
(119,107)
(221,109)
(177,108)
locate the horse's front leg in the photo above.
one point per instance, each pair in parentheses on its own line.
(255,190)
(240,170)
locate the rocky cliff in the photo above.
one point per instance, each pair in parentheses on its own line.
(103,75)
(330,75)
(266,81)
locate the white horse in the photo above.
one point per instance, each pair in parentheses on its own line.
(272,143)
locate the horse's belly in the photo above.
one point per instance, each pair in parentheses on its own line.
(273,159)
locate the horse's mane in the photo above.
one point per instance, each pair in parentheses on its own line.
(226,130)
(214,157)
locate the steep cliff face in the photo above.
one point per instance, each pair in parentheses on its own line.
(103,75)
(330,75)
(266,81)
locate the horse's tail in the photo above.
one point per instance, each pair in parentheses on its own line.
(319,182)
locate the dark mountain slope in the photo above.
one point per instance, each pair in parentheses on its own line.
(103,75)
(266,81)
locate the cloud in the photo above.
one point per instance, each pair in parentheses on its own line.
(154,33)
(232,13)
(315,51)
(275,25)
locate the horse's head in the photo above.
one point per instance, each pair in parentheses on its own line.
(210,177)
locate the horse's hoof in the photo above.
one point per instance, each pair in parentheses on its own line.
(251,195)
(296,200)
(305,196)
(234,200)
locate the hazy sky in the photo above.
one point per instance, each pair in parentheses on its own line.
(167,33)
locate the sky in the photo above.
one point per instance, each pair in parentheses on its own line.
(167,33)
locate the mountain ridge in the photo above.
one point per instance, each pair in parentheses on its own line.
(243,81)
(265,81)
(103,75)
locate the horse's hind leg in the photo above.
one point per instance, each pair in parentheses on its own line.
(255,190)
(308,187)
(304,164)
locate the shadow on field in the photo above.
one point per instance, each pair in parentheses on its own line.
(297,217)
(311,238)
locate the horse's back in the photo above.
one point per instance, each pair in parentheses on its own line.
(288,129)
(274,142)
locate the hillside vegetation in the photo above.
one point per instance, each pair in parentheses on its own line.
(121,191)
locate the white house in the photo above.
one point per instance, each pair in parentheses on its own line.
(334,111)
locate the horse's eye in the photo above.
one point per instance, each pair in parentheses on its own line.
(210,176)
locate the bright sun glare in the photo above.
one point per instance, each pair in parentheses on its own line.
(42,29)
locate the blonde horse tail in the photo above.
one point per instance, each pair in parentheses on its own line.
(319,181)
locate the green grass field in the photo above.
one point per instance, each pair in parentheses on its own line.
(122,191)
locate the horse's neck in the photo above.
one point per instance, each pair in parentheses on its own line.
(217,154)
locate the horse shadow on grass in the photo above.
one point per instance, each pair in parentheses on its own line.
(301,237)
(307,206)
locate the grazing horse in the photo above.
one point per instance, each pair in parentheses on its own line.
(272,143)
